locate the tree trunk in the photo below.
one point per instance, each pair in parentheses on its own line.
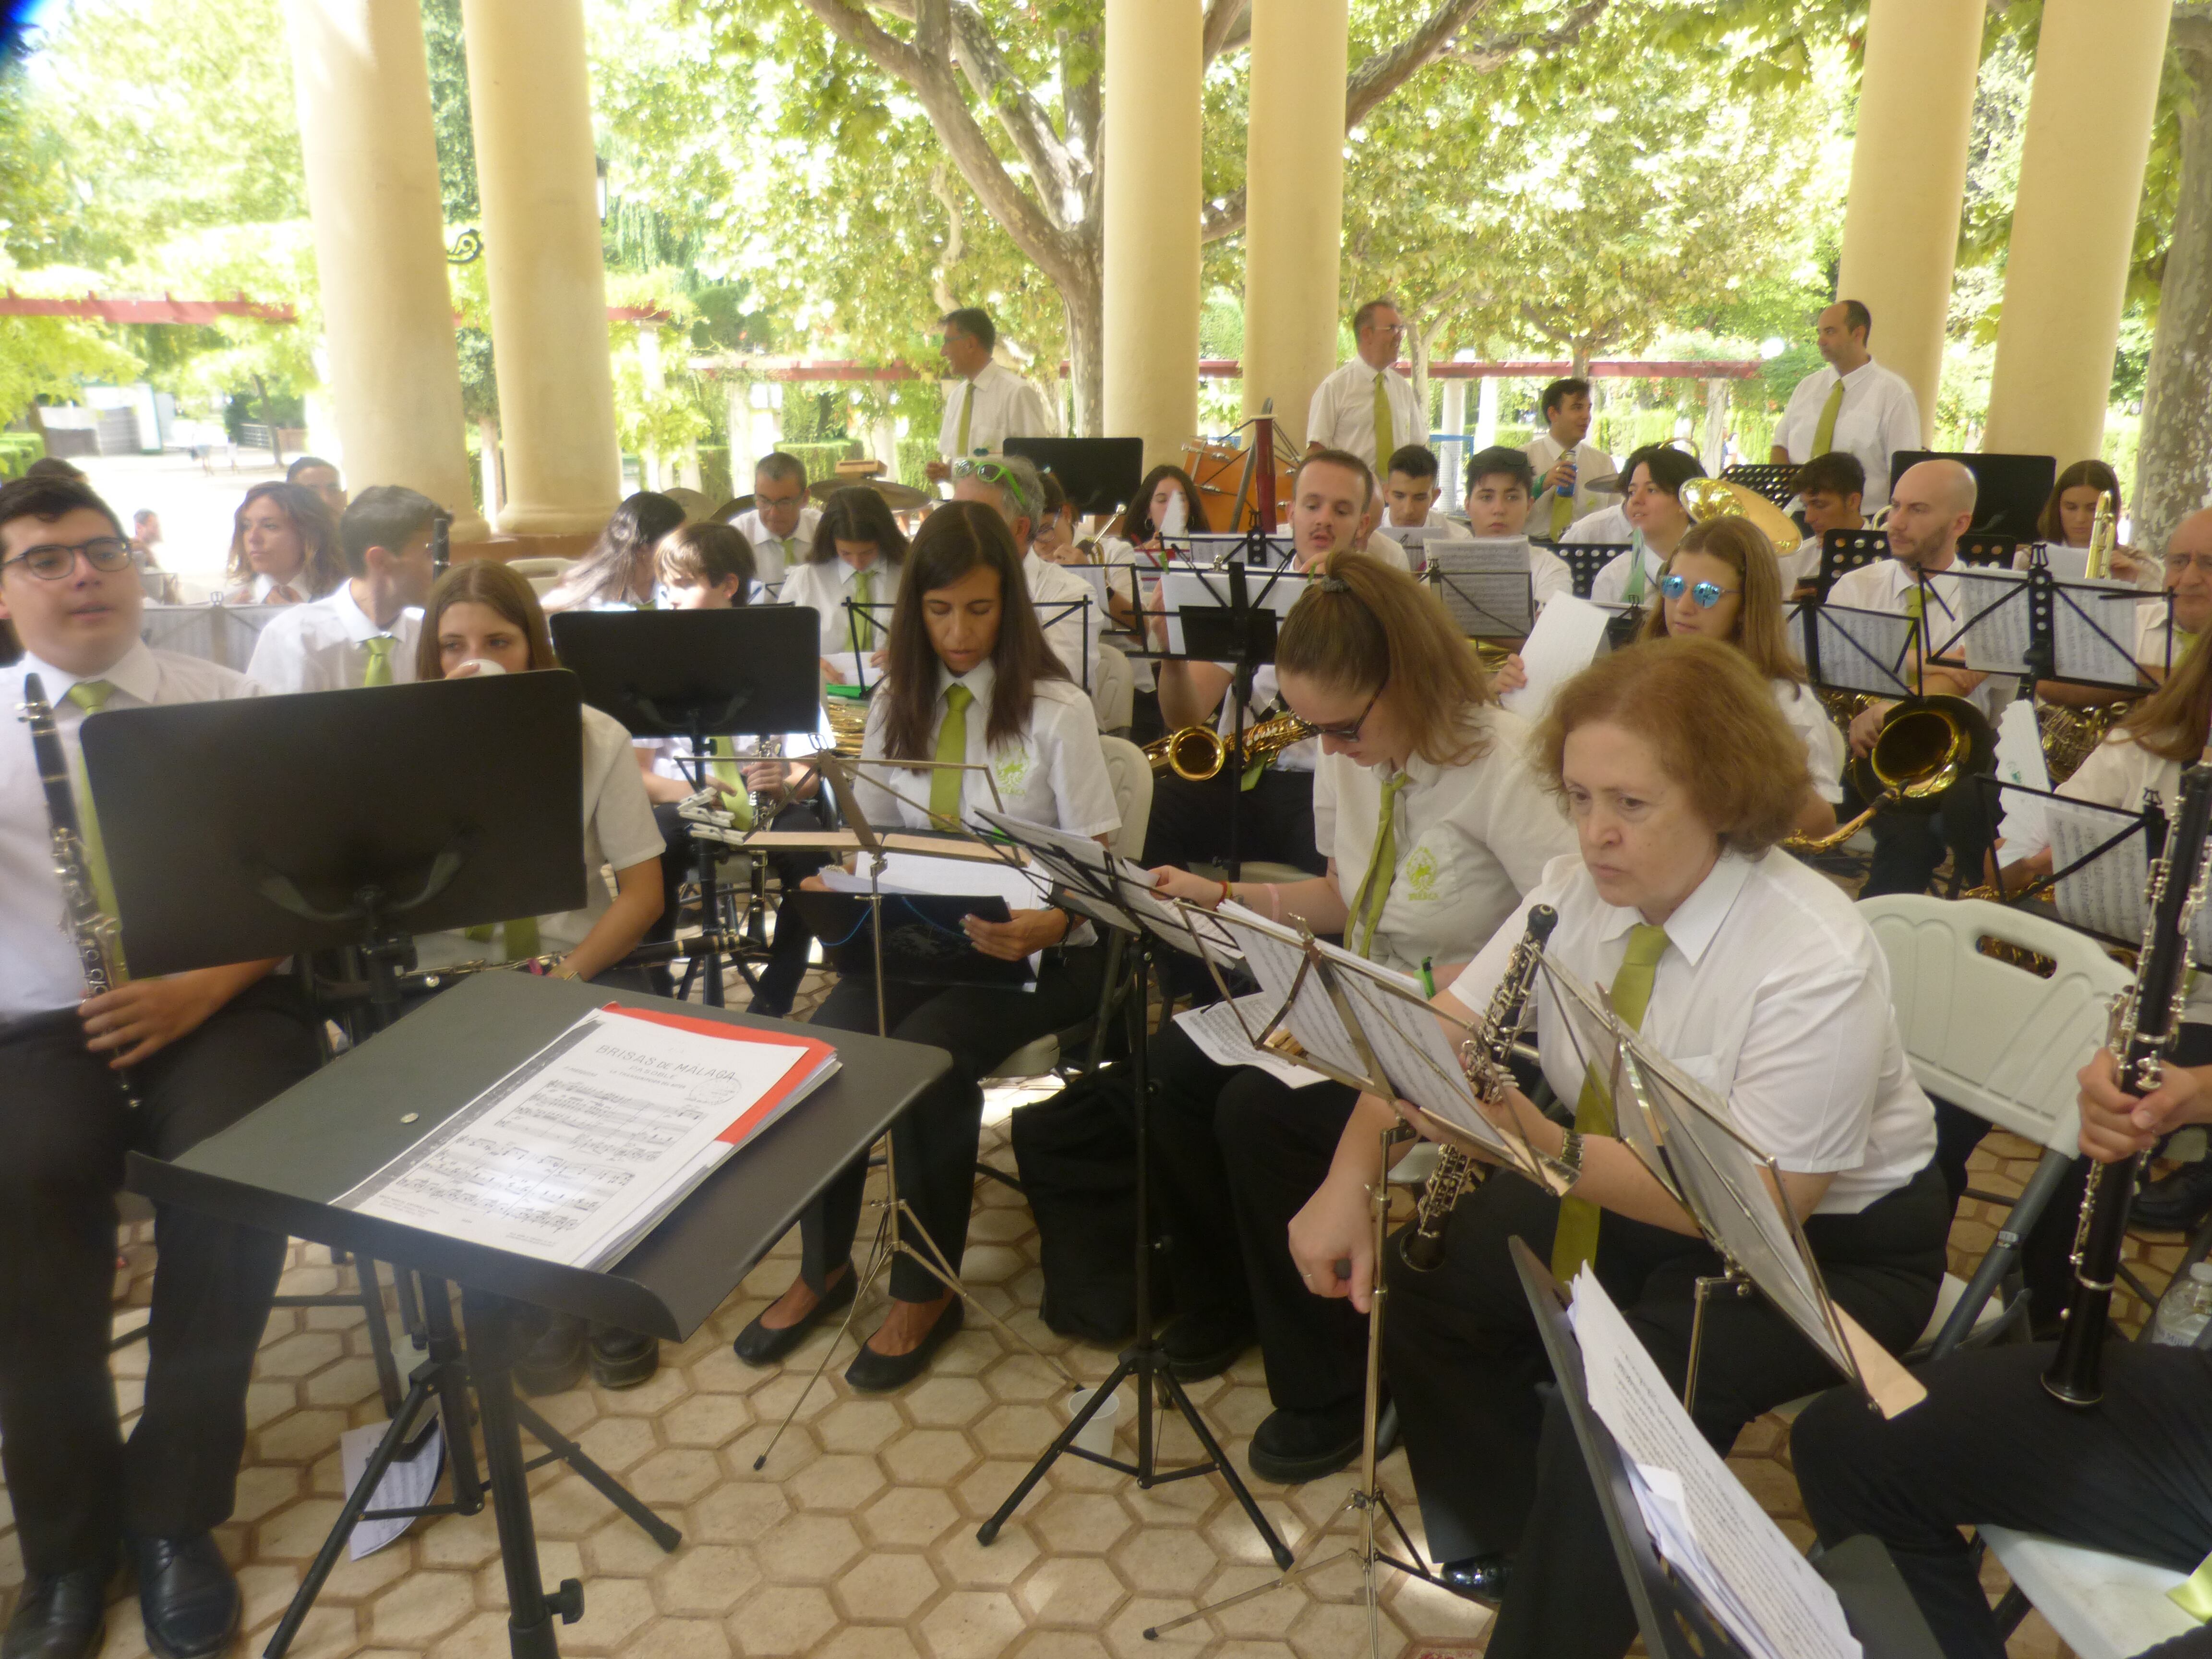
(2174,465)
(1085,309)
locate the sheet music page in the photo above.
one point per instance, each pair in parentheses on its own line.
(565,1158)
(2094,625)
(1204,546)
(2106,894)
(1709,1527)
(1092,867)
(1861,650)
(1209,590)
(1275,954)
(1222,1031)
(1563,643)
(1484,585)
(1993,617)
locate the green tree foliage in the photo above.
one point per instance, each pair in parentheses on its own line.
(447,60)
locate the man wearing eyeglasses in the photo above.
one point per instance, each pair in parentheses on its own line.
(1367,408)
(2165,633)
(781,521)
(986,402)
(203,1048)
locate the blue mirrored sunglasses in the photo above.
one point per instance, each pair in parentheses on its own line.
(1703,595)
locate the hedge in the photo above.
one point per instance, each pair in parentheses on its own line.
(18,450)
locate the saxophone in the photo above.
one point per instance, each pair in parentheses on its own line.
(1483,1054)
(763,800)
(1197,753)
(98,937)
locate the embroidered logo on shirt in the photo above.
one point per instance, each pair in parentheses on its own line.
(1014,769)
(1423,881)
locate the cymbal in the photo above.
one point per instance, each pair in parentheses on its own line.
(730,511)
(900,498)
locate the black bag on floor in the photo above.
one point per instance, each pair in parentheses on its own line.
(1077,1154)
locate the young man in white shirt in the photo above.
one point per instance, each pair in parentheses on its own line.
(363,632)
(986,402)
(1830,489)
(1853,403)
(1500,495)
(1567,466)
(1367,408)
(780,523)
(203,1048)
(1066,607)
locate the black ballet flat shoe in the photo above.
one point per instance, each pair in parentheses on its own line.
(553,1363)
(879,1373)
(187,1595)
(622,1359)
(2177,1202)
(1294,1446)
(1479,1577)
(1196,1351)
(62,1615)
(758,1345)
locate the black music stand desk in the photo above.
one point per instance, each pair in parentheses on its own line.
(282,1167)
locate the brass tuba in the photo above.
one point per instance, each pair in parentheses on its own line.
(1197,753)
(1707,499)
(1924,746)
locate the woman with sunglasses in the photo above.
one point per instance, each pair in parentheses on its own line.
(1721,583)
(1435,825)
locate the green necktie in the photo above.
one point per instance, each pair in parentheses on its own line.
(1824,429)
(1633,593)
(723,769)
(1381,870)
(1563,512)
(1574,1243)
(1386,440)
(378,647)
(945,784)
(91,696)
(967,409)
(864,595)
(519,938)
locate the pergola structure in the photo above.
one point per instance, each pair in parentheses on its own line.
(372,174)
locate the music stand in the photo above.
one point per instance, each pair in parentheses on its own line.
(1485,586)
(1843,550)
(2009,491)
(224,635)
(748,672)
(1778,482)
(282,1167)
(1585,559)
(1099,475)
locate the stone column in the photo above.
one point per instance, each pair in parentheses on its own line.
(371,160)
(1909,181)
(2097,65)
(1152,214)
(532,103)
(1294,189)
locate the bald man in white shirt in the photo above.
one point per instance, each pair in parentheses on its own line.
(1853,403)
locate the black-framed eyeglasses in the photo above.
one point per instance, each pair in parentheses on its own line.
(995,473)
(1349,732)
(50,562)
(1703,595)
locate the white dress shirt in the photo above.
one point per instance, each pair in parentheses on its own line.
(1053,772)
(1006,407)
(2155,638)
(1773,992)
(774,554)
(1591,462)
(827,585)
(1470,841)
(38,968)
(1883,584)
(1801,565)
(1604,525)
(257,591)
(321,646)
(1342,413)
(1548,574)
(618,832)
(1879,416)
(1824,743)
(1611,585)
(1068,612)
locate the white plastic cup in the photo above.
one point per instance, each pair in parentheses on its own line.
(1097,1436)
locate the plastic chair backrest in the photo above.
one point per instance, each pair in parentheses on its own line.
(1131,774)
(1114,695)
(1984,1033)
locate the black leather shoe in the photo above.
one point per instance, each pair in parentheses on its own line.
(62,1615)
(1291,1446)
(1479,1577)
(1196,1351)
(185,1591)
(622,1359)
(554,1360)
(758,1345)
(879,1373)
(2177,1202)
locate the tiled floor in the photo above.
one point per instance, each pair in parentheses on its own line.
(858,1540)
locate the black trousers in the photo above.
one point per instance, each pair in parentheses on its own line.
(1909,846)
(74,1484)
(786,960)
(934,1140)
(1498,1471)
(1237,1154)
(1988,1446)
(1190,823)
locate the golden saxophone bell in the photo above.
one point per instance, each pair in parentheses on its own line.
(1924,747)
(1197,753)
(1707,499)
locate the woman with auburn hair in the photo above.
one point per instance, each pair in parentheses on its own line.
(1721,583)
(969,678)
(1436,826)
(1759,978)
(283,548)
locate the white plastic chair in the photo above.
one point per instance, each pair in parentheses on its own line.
(2103,1607)
(1114,691)
(543,576)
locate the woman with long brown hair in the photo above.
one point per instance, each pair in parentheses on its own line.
(620,569)
(1436,825)
(283,548)
(2069,519)
(1721,582)
(969,679)
(857,552)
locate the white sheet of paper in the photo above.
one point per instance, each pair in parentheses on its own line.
(1563,643)
(1128,880)
(408,1482)
(1275,955)
(1208,590)
(1711,1528)
(1860,650)
(1484,585)
(1222,1038)
(2106,896)
(2019,760)
(851,670)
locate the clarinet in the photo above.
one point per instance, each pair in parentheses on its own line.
(96,936)
(1483,1054)
(2145,1019)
